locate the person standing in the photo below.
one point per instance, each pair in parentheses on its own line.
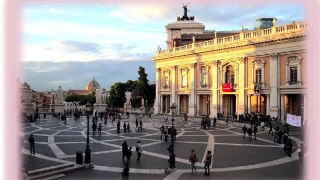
(124,149)
(244,130)
(249,131)
(32,144)
(138,150)
(207,163)
(255,130)
(99,129)
(193,159)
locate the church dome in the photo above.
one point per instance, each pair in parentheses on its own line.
(93,85)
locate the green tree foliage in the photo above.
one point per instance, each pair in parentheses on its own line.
(139,88)
(117,95)
(82,99)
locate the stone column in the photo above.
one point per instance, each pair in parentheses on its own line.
(178,105)
(267,104)
(282,108)
(241,86)
(274,75)
(198,105)
(191,77)
(173,84)
(249,102)
(157,106)
(215,94)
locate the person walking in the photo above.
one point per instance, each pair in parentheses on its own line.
(124,127)
(128,127)
(207,163)
(129,154)
(138,150)
(270,130)
(124,149)
(165,132)
(255,130)
(137,124)
(32,144)
(99,129)
(193,159)
(214,121)
(244,130)
(140,123)
(161,132)
(94,128)
(118,126)
(249,131)
(289,146)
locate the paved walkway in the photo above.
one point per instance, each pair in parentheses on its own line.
(58,143)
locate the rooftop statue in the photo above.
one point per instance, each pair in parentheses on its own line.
(185,14)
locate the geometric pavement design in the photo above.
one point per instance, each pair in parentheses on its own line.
(59,143)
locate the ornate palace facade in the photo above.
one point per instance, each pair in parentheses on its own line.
(210,72)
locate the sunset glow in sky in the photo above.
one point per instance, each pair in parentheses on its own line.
(67,44)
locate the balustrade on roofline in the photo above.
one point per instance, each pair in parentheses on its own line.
(241,37)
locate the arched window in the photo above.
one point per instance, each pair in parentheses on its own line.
(204,79)
(229,75)
(184,78)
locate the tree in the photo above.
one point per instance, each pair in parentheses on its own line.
(82,99)
(117,95)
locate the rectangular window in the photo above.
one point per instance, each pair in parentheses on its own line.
(205,80)
(184,81)
(166,82)
(293,75)
(258,76)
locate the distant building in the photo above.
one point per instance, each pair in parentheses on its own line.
(210,72)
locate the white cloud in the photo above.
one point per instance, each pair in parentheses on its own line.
(140,12)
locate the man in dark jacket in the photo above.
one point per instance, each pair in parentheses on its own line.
(124,149)
(32,143)
(255,130)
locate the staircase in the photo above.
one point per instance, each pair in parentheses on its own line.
(52,172)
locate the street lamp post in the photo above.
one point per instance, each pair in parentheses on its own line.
(87,160)
(172,155)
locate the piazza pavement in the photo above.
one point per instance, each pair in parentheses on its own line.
(233,156)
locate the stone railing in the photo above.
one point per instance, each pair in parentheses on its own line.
(243,38)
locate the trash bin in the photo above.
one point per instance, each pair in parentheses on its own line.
(79,157)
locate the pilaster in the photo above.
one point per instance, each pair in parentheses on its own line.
(274,76)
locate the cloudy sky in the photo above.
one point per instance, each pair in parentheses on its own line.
(68,44)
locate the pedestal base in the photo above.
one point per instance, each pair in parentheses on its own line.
(169,170)
(89,166)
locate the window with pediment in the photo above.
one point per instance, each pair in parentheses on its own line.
(293,70)
(229,75)
(204,76)
(184,78)
(258,72)
(166,79)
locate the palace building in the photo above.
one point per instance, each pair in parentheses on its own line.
(208,72)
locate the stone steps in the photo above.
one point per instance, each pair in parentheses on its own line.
(53,172)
